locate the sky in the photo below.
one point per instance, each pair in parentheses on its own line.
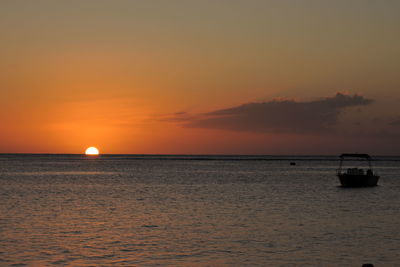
(200,77)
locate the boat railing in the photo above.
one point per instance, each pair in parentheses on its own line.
(355,171)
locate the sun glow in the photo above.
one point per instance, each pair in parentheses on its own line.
(92,151)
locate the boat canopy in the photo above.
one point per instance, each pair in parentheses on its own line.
(365,156)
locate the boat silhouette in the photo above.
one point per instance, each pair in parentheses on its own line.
(357,177)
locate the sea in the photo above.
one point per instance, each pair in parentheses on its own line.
(192,210)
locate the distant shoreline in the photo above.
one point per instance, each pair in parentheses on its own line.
(196,157)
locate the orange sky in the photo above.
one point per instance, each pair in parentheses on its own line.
(118,75)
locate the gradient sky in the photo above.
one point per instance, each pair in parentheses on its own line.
(195,77)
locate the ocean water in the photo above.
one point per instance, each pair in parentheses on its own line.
(138,210)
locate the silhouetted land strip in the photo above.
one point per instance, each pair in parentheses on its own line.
(292,158)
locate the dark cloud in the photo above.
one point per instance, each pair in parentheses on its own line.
(181,113)
(395,122)
(280,116)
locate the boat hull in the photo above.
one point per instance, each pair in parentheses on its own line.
(358,180)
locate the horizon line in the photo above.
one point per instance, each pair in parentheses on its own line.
(194,154)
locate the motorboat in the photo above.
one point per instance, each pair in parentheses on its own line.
(357,177)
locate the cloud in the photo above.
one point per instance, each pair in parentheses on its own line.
(395,122)
(276,116)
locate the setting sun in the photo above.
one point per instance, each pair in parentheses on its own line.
(92,151)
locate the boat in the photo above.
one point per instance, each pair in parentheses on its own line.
(357,177)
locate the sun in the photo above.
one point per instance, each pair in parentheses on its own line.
(92,151)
